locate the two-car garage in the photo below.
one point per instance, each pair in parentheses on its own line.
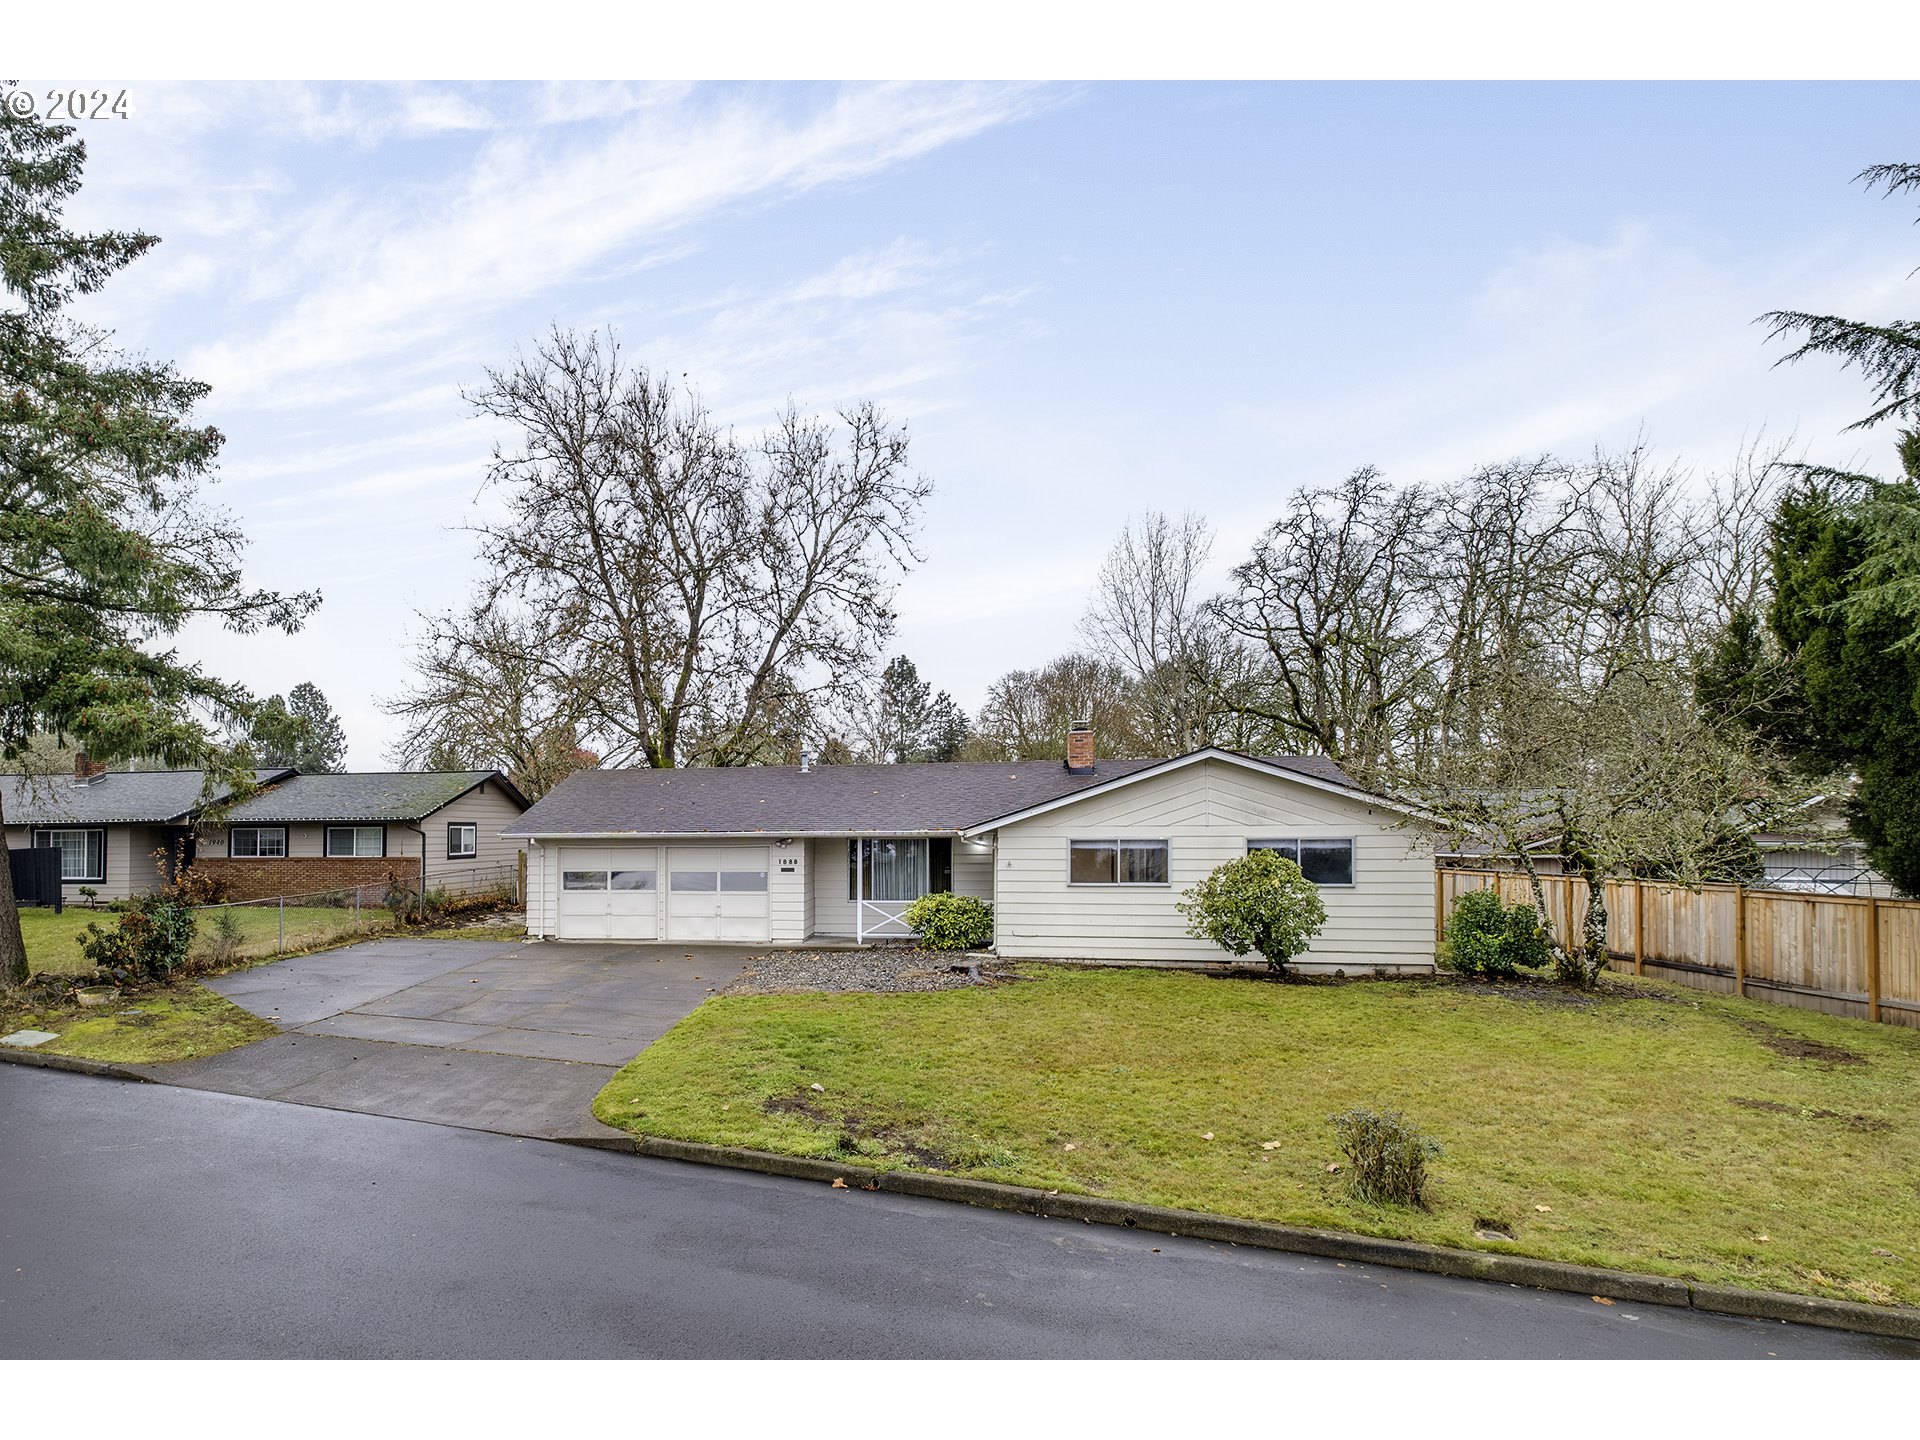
(700,892)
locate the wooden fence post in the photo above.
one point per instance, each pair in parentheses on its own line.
(1639,927)
(1873,957)
(1740,940)
(1439,904)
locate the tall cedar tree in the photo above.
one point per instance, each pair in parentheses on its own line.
(1858,665)
(104,546)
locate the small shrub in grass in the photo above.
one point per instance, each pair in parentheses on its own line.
(223,945)
(1387,1156)
(152,938)
(1487,937)
(1260,902)
(945,921)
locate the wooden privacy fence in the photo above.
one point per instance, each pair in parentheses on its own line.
(1844,954)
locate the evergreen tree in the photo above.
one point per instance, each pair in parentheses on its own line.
(1858,660)
(911,723)
(323,747)
(1887,355)
(105,547)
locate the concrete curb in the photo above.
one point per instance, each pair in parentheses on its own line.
(11,1055)
(1900,1323)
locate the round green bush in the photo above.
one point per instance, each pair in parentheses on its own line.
(1260,902)
(1487,937)
(945,921)
(152,938)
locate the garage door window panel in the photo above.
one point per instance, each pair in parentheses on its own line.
(583,880)
(632,879)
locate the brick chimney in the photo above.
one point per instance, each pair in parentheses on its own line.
(1080,748)
(86,770)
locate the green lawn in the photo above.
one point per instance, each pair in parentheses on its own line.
(1650,1128)
(51,938)
(177,1022)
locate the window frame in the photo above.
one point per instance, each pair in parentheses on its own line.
(286,842)
(327,851)
(86,848)
(858,892)
(1119,844)
(1269,842)
(470,854)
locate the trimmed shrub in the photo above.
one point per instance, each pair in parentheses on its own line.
(1487,937)
(152,938)
(1387,1156)
(945,921)
(1260,902)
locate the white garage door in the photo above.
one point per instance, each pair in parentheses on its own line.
(717,893)
(609,893)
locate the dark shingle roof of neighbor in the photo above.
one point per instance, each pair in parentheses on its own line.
(372,798)
(120,797)
(829,799)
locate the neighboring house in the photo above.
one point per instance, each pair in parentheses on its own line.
(1084,860)
(122,832)
(118,832)
(432,829)
(1819,853)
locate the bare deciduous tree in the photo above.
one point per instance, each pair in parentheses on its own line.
(1027,712)
(718,591)
(1148,616)
(487,695)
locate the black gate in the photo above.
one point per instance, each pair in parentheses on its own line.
(36,876)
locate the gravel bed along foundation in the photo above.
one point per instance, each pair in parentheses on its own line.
(882,969)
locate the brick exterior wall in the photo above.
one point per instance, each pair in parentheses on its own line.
(305,874)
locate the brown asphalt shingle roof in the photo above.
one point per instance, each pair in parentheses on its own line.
(827,800)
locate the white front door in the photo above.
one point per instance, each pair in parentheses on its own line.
(609,893)
(717,893)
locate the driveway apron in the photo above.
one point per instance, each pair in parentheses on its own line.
(515,1037)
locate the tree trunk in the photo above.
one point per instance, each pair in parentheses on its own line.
(1595,928)
(13,945)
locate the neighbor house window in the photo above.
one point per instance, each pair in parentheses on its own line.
(83,853)
(463,842)
(1325,862)
(257,842)
(887,869)
(1117,862)
(356,840)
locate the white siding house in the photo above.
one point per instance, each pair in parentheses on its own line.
(765,855)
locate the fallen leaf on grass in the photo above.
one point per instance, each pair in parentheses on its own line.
(1271,1144)
(1544,1209)
(1069,1147)
(1332,1168)
(818,1086)
(1764,1239)
(1207,1136)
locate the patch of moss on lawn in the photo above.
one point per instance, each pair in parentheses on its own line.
(182,1021)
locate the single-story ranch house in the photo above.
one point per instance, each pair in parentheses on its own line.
(121,832)
(1083,860)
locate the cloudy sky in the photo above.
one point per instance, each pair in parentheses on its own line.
(1088,301)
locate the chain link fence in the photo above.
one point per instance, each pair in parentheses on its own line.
(254,929)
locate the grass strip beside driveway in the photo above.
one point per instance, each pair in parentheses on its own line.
(53,940)
(179,1021)
(1646,1128)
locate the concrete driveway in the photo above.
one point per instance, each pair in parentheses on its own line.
(508,1036)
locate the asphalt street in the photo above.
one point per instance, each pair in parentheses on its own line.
(149,1221)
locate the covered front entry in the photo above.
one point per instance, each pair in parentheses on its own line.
(717,893)
(609,893)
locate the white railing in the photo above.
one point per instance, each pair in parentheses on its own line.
(888,916)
